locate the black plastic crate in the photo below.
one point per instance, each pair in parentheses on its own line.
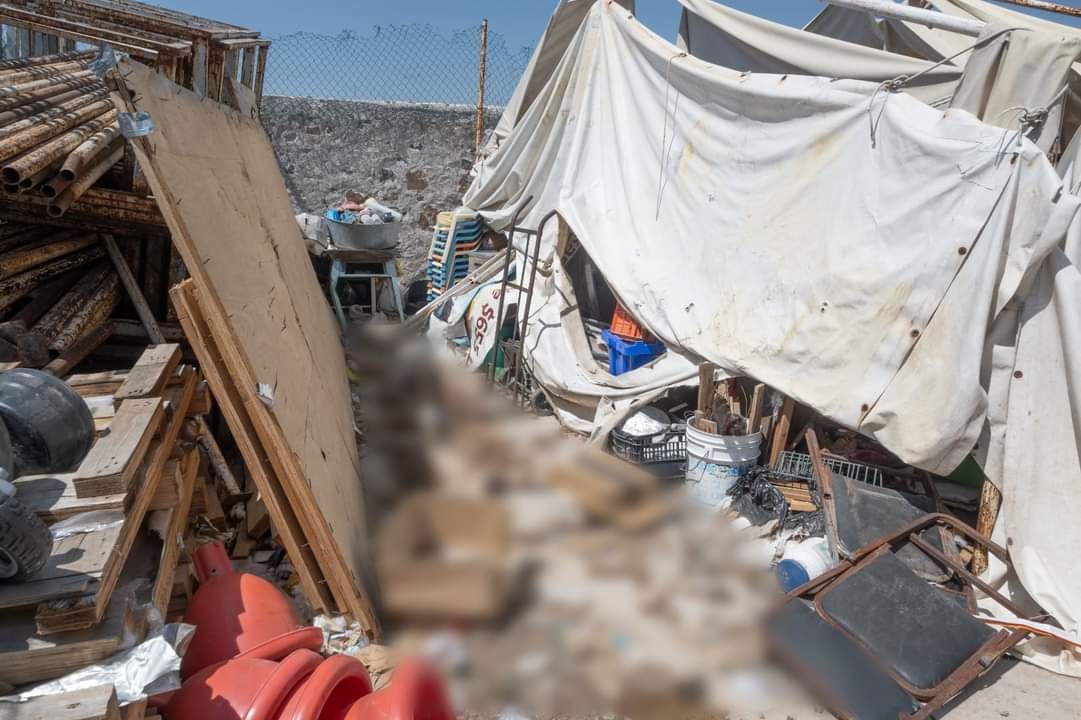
(666,446)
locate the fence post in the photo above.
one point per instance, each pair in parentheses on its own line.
(480,90)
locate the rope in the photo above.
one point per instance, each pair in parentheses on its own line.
(899,82)
(666,151)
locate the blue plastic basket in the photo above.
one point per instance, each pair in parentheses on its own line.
(627,355)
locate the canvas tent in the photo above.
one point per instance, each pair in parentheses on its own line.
(723,36)
(900,269)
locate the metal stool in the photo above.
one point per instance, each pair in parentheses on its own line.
(340,269)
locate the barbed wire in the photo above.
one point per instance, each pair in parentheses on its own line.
(397,63)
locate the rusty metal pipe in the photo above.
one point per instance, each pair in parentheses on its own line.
(17,287)
(40,106)
(61,204)
(81,100)
(43,156)
(91,314)
(32,85)
(39,177)
(41,72)
(87,151)
(42,132)
(50,249)
(12,189)
(16,63)
(25,97)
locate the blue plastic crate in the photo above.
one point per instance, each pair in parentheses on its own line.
(627,355)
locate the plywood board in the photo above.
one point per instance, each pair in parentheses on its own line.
(219,187)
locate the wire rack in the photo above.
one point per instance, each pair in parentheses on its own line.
(799,466)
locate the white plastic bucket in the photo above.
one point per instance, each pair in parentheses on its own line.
(716,462)
(803,562)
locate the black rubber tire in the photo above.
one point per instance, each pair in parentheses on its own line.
(25,541)
(7,456)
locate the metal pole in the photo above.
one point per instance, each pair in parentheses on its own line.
(907,13)
(1046,6)
(480,90)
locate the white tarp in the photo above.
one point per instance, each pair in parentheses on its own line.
(856,249)
(723,36)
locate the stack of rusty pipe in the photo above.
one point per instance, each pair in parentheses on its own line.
(58,289)
(58,128)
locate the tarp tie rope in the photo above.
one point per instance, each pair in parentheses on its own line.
(666,150)
(1029,119)
(898,83)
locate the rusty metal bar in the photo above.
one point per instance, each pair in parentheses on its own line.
(1050,7)
(39,254)
(42,132)
(17,287)
(40,72)
(92,313)
(18,89)
(40,106)
(16,63)
(26,97)
(60,205)
(482,73)
(53,112)
(28,164)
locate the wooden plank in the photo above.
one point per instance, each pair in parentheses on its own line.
(173,542)
(135,293)
(75,565)
(151,373)
(97,703)
(706,373)
(110,466)
(53,497)
(780,431)
(291,343)
(758,406)
(293,538)
(88,610)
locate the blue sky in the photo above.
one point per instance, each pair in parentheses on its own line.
(520,21)
(410,64)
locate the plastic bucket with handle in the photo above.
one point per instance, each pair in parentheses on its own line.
(716,462)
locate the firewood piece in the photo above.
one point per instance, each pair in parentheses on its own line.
(135,294)
(706,372)
(780,431)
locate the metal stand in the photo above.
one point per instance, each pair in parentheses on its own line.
(513,347)
(340,262)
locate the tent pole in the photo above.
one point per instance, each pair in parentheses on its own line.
(1046,6)
(907,13)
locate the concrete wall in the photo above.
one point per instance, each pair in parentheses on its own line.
(413,158)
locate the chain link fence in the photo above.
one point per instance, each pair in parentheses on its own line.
(401,63)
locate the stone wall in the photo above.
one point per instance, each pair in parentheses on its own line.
(413,158)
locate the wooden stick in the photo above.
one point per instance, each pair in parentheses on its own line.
(990,502)
(706,373)
(758,403)
(825,489)
(135,294)
(780,431)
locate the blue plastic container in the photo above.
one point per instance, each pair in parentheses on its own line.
(627,355)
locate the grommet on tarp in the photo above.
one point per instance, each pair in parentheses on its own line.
(133,125)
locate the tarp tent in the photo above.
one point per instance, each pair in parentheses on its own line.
(723,36)
(875,258)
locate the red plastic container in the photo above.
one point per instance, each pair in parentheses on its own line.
(236,613)
(303,686)
(625,326)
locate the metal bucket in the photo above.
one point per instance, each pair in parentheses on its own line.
(357,236)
